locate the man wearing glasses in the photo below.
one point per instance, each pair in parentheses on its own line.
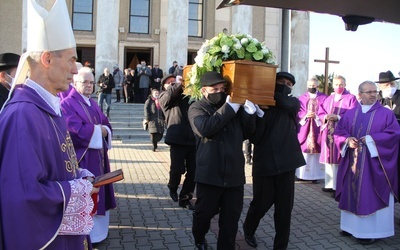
(367,184)
(91,134)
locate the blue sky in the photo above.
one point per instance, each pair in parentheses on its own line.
(373,48)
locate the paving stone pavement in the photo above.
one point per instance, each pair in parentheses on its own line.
(146,217)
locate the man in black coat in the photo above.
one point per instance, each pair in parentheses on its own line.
(157,75)
(389,95)
(220,127)
(180,138)
(8,68)
(276,156)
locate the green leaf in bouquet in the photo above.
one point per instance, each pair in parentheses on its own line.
(214,50)
(248,56)
(251,47)
(240,53)
(258,55)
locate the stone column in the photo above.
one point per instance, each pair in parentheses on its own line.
(242,19)
(106,35)
(177,33)
(300,41)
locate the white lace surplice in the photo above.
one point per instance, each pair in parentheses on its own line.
(77,219)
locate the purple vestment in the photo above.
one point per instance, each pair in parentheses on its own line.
(364,183)
(81,119)
(347,101)
(36,161)
(309,132)
(64,94)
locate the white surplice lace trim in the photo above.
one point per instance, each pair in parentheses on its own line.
(77,219)
(83,172)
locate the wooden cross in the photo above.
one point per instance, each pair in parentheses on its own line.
(327,62)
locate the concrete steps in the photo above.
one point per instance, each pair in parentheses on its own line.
(126,121)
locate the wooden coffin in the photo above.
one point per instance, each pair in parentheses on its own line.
(248,80)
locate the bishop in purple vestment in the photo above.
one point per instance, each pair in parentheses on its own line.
(91,134)
(368,136)
(333,108)
(37,168)
(45,200)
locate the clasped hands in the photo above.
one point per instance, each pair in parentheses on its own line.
(352,142)
(331,117)
(248,106)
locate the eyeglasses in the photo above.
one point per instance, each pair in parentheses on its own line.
(370,92)
(87,82)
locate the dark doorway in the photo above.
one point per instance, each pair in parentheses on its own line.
(133,56)
(190,57)
(86,54)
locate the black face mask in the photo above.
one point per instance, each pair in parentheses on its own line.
(283,89)
(312,90)
(217,99)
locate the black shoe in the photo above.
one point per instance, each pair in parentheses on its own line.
(344,233)
(251,240)
(328,190)
(202,246)
(186,204)
(365,241)
(174,195)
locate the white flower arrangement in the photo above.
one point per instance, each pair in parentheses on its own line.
(224,48)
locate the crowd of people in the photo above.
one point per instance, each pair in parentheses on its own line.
(46,178)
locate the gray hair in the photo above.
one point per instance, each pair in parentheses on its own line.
(80,77)
(361,86)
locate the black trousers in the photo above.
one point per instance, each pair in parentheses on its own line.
(211,200)
(155,138)
(117,91)
(183,160)
(277,190)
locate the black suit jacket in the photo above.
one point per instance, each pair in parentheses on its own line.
(156,73)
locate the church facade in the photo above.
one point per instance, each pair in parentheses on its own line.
(162,31)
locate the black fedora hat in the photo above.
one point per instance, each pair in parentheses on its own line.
(8,61)
(386,77)
(211,78)
(286,75)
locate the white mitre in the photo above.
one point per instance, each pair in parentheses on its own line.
(46,30)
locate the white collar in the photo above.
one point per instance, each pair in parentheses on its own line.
(86,99)
(366,108)
(50,99)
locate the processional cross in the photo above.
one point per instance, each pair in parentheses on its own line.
(327,62)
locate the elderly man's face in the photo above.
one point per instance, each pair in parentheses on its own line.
(61,69)
(85,87)
(386,85)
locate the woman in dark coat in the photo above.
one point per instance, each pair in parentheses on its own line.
(154,119)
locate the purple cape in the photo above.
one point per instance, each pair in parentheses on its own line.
(36,161)
(329,152)
(364,183)
(310,129)
(81,119)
